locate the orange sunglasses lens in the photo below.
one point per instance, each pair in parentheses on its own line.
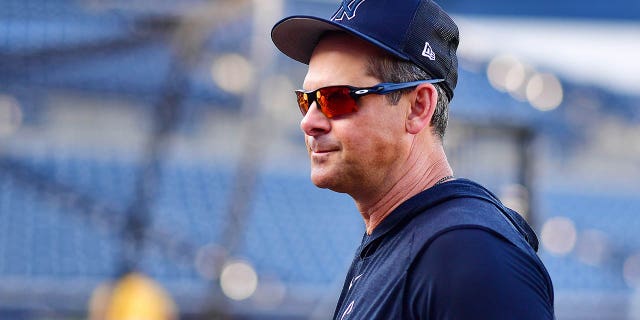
(336,101)
(332,101)
(303,102)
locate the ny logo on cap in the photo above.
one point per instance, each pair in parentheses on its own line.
(347,9)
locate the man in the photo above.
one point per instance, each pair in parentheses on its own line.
(374,104)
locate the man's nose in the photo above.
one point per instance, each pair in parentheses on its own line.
(315,122)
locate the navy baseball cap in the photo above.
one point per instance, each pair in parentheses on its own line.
(413,30)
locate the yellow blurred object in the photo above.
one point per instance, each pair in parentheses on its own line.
(134,297)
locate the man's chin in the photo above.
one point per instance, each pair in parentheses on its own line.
(322,179)
(320,182)
(327,182)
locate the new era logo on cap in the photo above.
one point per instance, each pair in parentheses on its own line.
(348,10)
(428,52)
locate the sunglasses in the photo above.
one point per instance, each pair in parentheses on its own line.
(336,101)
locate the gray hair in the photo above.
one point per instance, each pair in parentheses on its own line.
(391,69)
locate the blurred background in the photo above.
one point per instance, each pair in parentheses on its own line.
(151,164)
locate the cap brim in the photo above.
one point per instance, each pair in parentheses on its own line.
(297,36)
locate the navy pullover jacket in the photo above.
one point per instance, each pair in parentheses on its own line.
(451,252)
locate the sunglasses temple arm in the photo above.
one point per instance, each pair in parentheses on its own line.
(389,87)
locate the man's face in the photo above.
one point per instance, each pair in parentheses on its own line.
(358,153)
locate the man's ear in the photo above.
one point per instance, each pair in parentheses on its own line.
(423,105)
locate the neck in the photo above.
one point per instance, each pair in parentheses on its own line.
(420,172)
